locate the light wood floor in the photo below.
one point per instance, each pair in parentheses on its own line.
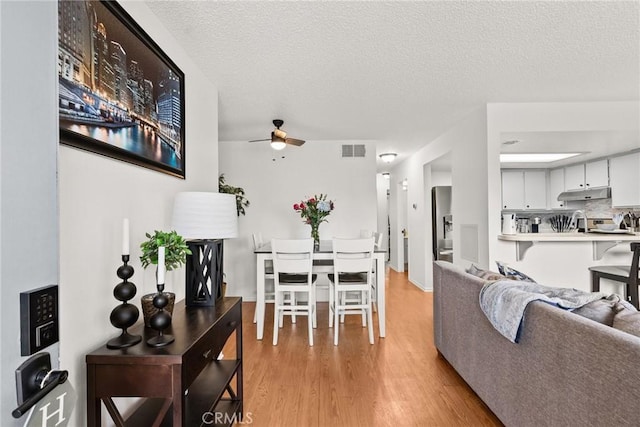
(399,381)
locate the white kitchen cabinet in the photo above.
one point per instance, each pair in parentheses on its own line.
(512,189)
(524,189)
(596,174)
(587,175)
(574,177)
(556,186)
(625,180)
(535,189)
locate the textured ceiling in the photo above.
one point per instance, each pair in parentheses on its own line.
(400,73)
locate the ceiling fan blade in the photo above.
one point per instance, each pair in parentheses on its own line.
(293,141)
(278,137)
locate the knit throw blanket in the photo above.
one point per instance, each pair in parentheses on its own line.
(504,302)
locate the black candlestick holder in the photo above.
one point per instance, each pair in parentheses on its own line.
(124,315)
(161,320)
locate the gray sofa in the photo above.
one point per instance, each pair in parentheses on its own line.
(566,370)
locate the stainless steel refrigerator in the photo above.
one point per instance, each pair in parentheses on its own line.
(442,223)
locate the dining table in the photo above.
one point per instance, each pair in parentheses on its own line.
(324,252)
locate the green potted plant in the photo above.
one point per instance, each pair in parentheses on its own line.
(241,200)
(176,251)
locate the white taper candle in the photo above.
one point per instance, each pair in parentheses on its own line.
(125,236)
(161,265)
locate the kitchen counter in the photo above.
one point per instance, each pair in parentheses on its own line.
(601,242)
(569,237)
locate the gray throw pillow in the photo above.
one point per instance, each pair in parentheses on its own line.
(627,320)
(601,311)
(512,273)
(484,274)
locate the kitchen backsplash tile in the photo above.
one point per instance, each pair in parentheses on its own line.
(602,209)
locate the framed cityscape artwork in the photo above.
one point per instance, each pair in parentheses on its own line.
(120,95)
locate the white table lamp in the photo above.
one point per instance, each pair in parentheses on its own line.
(204,219)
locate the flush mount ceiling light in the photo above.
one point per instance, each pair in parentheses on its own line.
(535,157)
(388,157)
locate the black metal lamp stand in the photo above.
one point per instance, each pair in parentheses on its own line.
(124,315)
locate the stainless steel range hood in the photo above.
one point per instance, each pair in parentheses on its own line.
(590,194)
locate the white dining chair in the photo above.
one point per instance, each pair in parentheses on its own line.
(269,291)
(378,239)
(352,264)
(292,268)
(268,275)
(377,245)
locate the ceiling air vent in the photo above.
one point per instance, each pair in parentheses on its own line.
(357,150)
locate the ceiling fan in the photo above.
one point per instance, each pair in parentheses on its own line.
(279,138)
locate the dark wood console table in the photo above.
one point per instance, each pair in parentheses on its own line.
(184,383)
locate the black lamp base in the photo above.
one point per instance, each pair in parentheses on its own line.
(204,273)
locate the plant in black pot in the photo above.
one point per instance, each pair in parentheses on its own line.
(176,251)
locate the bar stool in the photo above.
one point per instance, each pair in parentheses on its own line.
(620,273)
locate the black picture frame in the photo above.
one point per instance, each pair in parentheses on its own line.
(120,95)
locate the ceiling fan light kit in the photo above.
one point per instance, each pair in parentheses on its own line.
(277,143)
(279,138)
(388,157)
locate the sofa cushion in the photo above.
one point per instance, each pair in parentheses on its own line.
(484,274)
(512,273)
(601,311)
(627,319)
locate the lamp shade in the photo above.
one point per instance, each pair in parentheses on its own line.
(201,215)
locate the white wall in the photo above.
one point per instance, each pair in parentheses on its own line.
(97,192)
(440,178)
(562,264)
(273,186)
(28,146)
(467,143)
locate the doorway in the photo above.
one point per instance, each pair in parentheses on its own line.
(403,226)
(439,219)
